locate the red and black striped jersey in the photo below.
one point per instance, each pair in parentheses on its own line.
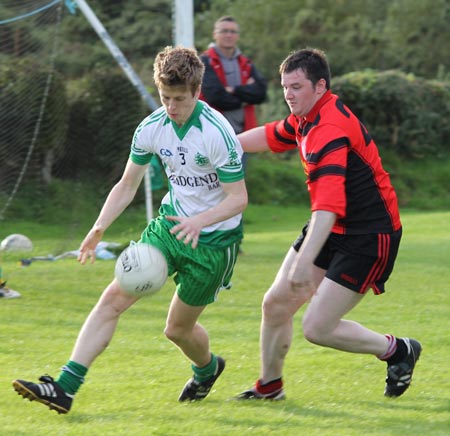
(343,167)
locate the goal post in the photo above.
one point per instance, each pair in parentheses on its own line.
(184,23)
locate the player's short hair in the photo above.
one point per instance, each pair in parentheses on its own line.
(178,67)
(313,62)
(225,18)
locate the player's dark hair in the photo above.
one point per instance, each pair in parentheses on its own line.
(312,62)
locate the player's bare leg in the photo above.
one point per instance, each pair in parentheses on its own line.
(280,305)
(100,325)
(184,330)
(323,323)
(93,338)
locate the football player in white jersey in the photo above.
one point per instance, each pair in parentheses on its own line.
(199,228)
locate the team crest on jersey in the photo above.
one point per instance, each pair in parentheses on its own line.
(234,157)
(201,160)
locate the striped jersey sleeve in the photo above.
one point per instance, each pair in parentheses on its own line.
(343,167)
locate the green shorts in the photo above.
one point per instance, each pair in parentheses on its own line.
(200,273)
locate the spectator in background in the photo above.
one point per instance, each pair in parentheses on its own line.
(231,83)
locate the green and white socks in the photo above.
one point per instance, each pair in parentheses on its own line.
(206,372)
(71,377)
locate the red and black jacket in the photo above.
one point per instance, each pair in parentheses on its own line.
(245,95)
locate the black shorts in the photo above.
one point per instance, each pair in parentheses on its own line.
(357,262)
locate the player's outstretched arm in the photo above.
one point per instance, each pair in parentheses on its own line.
(254,140)
(118,199)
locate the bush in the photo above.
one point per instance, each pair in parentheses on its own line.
(23,86)
(406,114)
(273,180)
(105,109)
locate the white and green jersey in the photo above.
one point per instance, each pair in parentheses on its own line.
(196,157)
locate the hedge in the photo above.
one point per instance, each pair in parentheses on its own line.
(403,113)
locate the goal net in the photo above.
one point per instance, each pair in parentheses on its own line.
(67,110)
(27,70)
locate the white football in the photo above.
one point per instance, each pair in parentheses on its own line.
(16,242)
(141,269)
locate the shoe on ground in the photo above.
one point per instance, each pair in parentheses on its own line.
(399,375)
(48,392)
(253,394)
(195,390)
(6,293)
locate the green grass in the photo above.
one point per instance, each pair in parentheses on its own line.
(132,388)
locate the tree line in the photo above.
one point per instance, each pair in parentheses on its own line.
(389,62)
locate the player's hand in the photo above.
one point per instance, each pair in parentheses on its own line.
(302,278)
(187,229)
(87,247)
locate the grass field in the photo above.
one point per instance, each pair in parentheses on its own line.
(132,388)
